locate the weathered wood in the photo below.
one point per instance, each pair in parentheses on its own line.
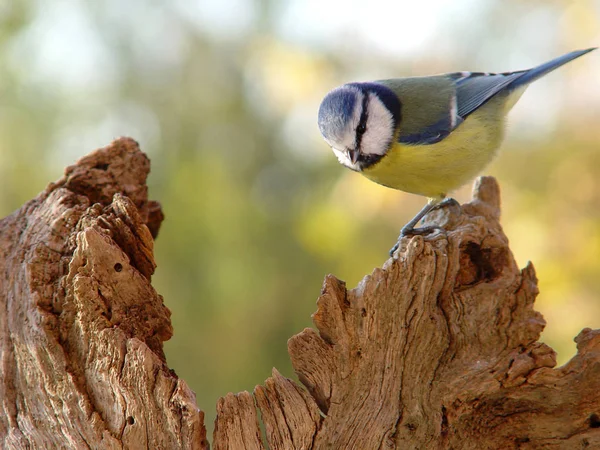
(437,350)
(239,426)
(81,327)
(290,416)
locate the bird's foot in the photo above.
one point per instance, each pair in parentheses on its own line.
(448,201)
(422,231)
(410,229)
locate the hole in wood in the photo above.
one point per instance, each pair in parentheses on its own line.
(411,426)
(130,420)
(480,264)
(594,421)
(118,267)
(444,425)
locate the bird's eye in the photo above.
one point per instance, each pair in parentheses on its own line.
(361,128)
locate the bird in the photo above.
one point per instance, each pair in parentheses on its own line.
(426,135)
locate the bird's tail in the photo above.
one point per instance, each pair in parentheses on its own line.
(516,88)
(537,72)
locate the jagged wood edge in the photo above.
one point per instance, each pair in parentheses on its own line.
(491,396)
(82,329)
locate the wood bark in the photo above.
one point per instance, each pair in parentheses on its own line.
(439,349)
(81,328)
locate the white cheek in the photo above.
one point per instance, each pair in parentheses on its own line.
(380,128)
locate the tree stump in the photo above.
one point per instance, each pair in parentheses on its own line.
(437,350)
(81,327)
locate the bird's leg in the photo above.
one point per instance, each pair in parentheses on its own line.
(409,228)
(448,201)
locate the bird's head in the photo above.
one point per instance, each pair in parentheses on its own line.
(359,122)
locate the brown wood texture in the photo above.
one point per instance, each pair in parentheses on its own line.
(437,350)
(81,328)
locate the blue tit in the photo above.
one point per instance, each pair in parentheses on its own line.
(425,135)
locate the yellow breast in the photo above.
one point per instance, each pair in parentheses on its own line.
(436,169)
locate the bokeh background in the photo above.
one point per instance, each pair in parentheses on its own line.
(223,96)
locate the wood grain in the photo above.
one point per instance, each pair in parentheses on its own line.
(436,350)
(81,328)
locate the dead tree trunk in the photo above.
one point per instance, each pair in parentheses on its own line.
(81,328)
(437,350)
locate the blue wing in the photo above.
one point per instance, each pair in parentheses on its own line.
(432,133)
(474,89)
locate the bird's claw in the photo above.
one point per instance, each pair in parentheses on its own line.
(419,231)
(414,232)
(448,201)
(410,230)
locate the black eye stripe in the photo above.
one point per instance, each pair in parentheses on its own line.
(362,123)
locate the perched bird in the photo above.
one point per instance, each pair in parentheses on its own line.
(425,135)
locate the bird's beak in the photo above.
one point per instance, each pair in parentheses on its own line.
(353,155)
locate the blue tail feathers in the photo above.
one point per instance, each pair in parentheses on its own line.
(537,72)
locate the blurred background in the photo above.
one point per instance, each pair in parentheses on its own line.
(223,96)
